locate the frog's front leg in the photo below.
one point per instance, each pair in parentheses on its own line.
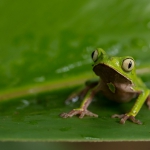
(82,111)
(135,109)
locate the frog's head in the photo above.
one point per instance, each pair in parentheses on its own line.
(113,69)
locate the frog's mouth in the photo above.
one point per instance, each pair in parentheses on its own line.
(108,74)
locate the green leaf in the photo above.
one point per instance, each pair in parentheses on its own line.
(37,118)
(45,49)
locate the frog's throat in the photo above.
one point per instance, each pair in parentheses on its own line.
(103,70)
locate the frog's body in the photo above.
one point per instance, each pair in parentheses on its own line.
(113,85)
(123,88)
(118,81)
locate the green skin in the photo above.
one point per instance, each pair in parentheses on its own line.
(118,81)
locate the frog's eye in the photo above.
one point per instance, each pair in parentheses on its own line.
(94,55)
(128,64)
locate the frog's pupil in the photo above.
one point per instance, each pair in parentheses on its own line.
(92,55)
(130,64)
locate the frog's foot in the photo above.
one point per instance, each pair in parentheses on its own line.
(80,112)
(125,117)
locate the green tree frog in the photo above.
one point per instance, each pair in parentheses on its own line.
(118,82)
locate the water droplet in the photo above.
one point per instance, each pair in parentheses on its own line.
(39,79)
(73,65)
(25,103)
(91,138)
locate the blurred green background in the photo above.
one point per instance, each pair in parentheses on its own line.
(41,41)
(47,42)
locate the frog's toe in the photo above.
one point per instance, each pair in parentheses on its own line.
(64,115)
(70,114)
(135,120)
(79,112)
(117,116)
(87,113)
(125,117)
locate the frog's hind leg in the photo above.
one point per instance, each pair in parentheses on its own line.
(148,101)
(80,94)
